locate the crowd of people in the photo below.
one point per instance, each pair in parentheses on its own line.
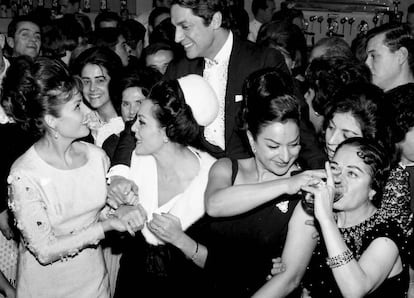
(191,153)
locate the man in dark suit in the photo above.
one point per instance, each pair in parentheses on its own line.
(203,43)
(203,29)
(212,51)
(225,61)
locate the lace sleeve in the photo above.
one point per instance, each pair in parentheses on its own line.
(32,220)
(396,198)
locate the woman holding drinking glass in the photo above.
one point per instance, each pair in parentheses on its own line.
(357,111)
(361,253)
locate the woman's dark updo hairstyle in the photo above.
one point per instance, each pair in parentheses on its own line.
(35,88)
(173,113)
(376,158)
(367,104)
(268,97)
(104,58)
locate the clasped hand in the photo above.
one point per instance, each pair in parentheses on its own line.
(129,218)
(167,227)
(122,191)
(305,178)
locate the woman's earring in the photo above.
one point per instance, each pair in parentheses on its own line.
(56,135)
(166,140)
(254,149)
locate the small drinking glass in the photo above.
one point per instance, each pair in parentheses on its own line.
(308,198)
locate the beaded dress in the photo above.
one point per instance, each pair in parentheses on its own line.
(319,279)
(57,212)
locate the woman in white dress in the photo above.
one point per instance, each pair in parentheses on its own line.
(58,190)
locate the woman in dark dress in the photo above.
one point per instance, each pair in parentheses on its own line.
(361,253)
(251,201)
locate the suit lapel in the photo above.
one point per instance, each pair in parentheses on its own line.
(233,82)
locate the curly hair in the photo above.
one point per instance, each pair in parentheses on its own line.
(376,158)
(173,113)
(367,105)
(326,75)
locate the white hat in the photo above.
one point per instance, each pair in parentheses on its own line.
(201,98)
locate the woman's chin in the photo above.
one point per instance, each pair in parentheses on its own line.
(139,151)
(83,132)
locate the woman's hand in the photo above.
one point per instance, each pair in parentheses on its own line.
(167,227)
(296,182)
(305,294)
(134,216)
(277,268)
(323,194)
(126,219)
(122,191)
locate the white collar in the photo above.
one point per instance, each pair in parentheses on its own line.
(224,54)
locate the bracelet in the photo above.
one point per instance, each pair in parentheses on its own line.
(340,259)
(195,253)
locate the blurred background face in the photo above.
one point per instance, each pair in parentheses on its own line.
(410,21)
(108,24)
(159,60)
(382,63)
(315,118)
(27,40)
(132,98)
(277,146)
(407,148)
(121,49)
(342,126)
(268,12)
(95,81)
(163,3)
(67,8)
